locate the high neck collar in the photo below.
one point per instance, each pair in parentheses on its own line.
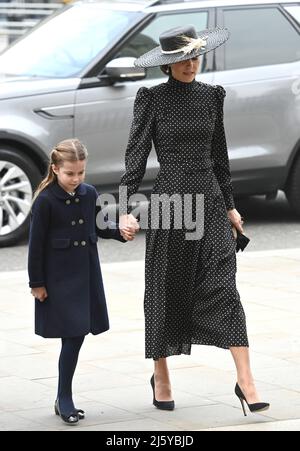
(182,86)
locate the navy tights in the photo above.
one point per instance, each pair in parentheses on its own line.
(67,364)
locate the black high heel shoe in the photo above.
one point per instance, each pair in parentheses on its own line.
(72,419)
(162,405)
(257,407)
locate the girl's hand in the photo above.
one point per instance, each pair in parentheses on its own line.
(236,219)
(128,226)
(127,234)
(39,293)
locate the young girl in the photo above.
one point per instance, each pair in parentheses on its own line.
(63,265)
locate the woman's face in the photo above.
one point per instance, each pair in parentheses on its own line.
(186,71)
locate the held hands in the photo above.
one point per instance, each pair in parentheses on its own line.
(39,293)
(236,221)
(128,226)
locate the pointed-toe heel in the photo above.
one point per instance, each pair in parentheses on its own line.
(254,408)
(71,419)
(162,405)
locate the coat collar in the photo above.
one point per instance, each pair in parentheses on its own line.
(59,192)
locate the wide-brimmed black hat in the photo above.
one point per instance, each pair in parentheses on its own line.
(182,43)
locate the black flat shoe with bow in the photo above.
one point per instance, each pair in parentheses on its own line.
(162,405)
(71,419)
(257,407)
(80,413)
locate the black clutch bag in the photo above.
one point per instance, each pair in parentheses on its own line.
(241,241)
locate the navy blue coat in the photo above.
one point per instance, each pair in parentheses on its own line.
(63,257)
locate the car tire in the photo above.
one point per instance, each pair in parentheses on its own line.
(293,187)
(19,177)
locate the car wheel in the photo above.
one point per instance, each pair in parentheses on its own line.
(293,187)
(18,179)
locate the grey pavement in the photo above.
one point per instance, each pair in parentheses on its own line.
(112,379)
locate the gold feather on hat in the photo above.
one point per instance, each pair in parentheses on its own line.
(192,44)
(189,44)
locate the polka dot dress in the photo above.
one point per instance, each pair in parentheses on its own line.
(190,285)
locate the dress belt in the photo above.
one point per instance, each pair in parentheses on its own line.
(186,166)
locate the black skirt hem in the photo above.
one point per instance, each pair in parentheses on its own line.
(188,350)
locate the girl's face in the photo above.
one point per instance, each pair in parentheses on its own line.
(70,174)
(186,71)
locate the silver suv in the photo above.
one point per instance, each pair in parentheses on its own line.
(73,75)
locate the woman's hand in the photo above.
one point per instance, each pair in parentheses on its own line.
(128,226)
(39,293)
(236,219)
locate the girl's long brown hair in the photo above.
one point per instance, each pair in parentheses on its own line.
(68,150)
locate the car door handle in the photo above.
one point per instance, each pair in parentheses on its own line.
(56,113)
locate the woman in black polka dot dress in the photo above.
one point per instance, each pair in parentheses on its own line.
(190,293)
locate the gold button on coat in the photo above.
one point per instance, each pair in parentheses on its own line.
(83,243)
(68,202)
(76,243)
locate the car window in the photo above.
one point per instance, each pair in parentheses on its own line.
(64,45)
(294,11)
(259,37)
(148,39)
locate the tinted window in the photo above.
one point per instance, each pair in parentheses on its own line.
(260,37)
(67,43)
(149,37)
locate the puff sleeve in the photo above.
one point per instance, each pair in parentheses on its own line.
(220,152)
(139,144)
